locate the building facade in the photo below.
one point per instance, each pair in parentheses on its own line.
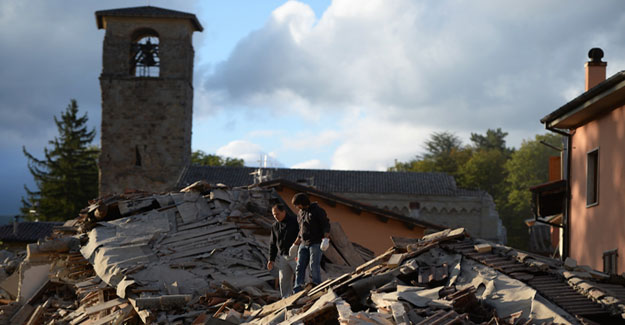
(147,97)
(594,168)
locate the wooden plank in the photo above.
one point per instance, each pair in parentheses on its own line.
(111,317)
(328,283)
(23,314)
(376,260)
(268,309)
(419,250)
(38,313)
(101,300)
(104,306)
(344,246)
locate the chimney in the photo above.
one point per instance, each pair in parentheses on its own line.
(595,68)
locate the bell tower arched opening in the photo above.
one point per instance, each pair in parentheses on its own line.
(144,53)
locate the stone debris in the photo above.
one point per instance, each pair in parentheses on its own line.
(199,256)
(447,278)
(200,253)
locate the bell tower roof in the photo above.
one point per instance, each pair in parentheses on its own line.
(146,12)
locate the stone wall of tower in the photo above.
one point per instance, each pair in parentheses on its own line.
(146,121)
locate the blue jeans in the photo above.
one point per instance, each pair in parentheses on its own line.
(305,255)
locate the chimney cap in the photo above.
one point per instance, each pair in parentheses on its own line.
(595,54)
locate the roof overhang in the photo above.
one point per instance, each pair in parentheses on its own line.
(597,101)
(146,12)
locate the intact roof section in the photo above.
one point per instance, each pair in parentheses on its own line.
(351,203)
(574,104)
(27,231)
(149,12)
(332,181)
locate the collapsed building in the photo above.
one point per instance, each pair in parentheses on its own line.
(199,257)
(143,255)
(423,197)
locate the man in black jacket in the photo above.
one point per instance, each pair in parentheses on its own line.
(314,226)
(284,231)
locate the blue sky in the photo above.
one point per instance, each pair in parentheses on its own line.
(343,84)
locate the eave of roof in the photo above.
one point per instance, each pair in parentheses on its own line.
(149,12)
(604,97)
(350,203)
(549,186)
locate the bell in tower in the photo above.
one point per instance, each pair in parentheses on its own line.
(147,97)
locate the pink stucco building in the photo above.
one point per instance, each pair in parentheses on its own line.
(593,125)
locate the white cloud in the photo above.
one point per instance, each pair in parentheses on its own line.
(373,143)
(251,153)
(298,16)
(311,164)
(312,140)
(458,66)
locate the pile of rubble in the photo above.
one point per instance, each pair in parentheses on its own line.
(449,278)
(164,258)
(199,257)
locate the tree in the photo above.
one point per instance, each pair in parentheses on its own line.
(484,170)
(444,153)
(199,157)
(489,165)
(492,140)
(526,167)
(67,176)
(441,144)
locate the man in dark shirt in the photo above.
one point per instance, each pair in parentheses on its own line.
(284,231)
(314,226)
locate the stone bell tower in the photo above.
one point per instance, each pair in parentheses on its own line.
(147,97)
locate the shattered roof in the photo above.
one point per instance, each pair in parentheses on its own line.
(188,257)
(334,181)
(450,278)
(27,231)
